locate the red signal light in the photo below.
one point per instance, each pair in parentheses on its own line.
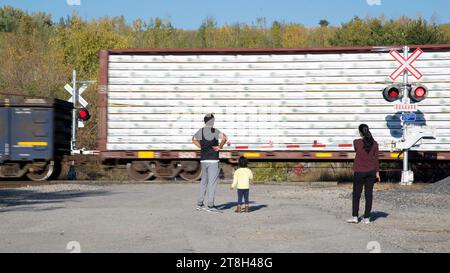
(418,93)
(392,93)
(83,114)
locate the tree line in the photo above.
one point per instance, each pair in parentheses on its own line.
(38,53)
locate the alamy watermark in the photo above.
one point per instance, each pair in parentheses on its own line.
(374,247)
(74,247)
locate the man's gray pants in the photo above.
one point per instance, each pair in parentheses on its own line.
(210,178)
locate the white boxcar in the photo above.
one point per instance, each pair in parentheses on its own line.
(281,101)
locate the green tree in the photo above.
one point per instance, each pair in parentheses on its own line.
(324,23)
(28,65)
(294,35)
(160,33)
(420,32)
(10,18)
(378,31)
(204,33)
(82,41)
(353,33)
(276,33)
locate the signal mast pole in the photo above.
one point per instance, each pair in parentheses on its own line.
(74,112)
(407,175)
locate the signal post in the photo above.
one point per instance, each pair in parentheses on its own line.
(408,93)
(80,114)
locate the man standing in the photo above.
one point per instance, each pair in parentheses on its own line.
(207,139)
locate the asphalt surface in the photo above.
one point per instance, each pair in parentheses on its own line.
(162,218)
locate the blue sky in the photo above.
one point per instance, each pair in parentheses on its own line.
(189,14)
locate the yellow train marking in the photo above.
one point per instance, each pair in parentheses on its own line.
(32,144)
(396,155)
(252,155)
(147,154)
(324,155)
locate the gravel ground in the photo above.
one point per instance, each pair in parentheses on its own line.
(440,187)
(160,218)
(412,218)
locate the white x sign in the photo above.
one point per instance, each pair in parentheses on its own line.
(406,64)
(81,90)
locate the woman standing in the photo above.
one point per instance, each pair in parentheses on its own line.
(366,172)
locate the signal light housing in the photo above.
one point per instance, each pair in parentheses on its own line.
(83,114)
(393,92)
(418,93)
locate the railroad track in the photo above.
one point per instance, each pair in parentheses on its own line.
(22,184)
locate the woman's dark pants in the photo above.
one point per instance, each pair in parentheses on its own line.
(366,180)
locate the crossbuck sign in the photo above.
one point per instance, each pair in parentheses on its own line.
(81,90)
(406,64)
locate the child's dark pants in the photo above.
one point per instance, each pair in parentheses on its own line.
(243,194)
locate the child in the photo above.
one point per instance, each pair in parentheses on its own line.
(241,181)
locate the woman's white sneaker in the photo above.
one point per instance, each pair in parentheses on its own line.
(353,220)
(366,221)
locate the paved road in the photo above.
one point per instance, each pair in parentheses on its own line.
(162,218)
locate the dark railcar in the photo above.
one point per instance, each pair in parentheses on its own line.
(34,136)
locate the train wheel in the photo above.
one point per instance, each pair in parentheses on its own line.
(139,171)
(57,170)
(192,171)
(43,174)
(191,175)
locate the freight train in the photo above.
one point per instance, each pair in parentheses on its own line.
(273,104)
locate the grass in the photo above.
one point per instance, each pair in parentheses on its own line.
(302,172)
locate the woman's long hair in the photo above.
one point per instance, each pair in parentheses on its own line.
(367,137)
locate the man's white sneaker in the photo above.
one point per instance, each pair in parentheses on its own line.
(353,220)
(366,221)
(200,208)
(213,210)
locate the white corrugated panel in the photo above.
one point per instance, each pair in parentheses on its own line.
(268,101)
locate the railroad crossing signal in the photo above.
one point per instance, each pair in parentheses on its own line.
(78,98)
(406,64)
(407,93)
(78,116)
(416,92)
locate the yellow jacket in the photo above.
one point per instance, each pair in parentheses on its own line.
(241,178)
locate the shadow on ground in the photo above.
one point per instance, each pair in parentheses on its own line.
(375,215)
(230,205)
(25,200)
